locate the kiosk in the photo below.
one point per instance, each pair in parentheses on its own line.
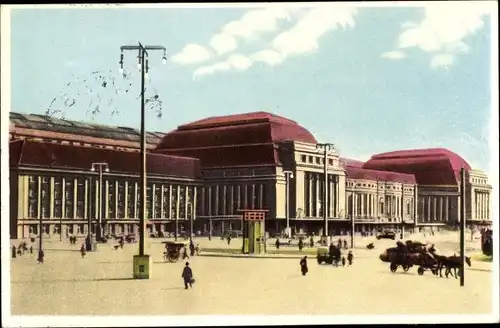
(254,241)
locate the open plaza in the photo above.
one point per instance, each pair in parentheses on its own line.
(102,284)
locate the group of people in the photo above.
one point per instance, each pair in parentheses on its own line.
(335,252)
(192,250)
(21,249)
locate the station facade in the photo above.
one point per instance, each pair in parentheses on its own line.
(206,171)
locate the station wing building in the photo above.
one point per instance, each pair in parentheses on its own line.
(209,169)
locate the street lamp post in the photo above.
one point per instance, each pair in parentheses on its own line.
(88,241)
(402,211)
(462,226)
(142,262)
(288,175)
(353,227)
(325,147)
(100,167)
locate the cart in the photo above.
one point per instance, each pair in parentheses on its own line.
(172,250)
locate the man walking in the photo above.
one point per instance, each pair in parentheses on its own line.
(187,275)
(303,266)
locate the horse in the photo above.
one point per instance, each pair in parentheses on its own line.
(449,262)
(454,262)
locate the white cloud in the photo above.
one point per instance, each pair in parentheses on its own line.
(256,22)
(396,54)
(303,37)
(237,62)
(223,43)
(269,57)
(443,30)
(191,54)
(442,60)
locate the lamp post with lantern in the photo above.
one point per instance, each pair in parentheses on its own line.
(142,262)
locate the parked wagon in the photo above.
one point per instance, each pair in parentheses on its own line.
(409,255)
(172,250)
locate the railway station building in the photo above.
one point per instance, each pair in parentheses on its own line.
(209,169)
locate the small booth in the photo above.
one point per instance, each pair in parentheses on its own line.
(254,241)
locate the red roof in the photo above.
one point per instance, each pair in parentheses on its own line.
(435,166)
(359,173)
(350,162)
(242,139)
(57,156)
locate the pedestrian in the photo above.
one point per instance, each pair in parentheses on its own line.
(187,275)
(82,250)
(183,253)
(229,239)
(301,244)
(350,257)
(41,255)
(31,249)
(331,250)
(303,266)
(277,243)
(339,243)
(343,261)
(197,249)
(311,241)
(13,251)
(191,248)
(345,244)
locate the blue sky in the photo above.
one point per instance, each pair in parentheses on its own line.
(367,79)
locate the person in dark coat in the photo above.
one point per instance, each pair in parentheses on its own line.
(331,250)
(345,244)
(41,255)
(229,239)
(277,243)
(82,251)
(350,257)
(31,249)
(303,266)
(191,248)
(343,261)
(301,244)
(187,275)
(14,251)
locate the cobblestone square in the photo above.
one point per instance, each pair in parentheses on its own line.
(101,284)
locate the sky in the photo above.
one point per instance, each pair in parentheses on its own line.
(367,79)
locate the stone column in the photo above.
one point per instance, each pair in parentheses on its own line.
(202,201)
(162,202)
(253,196)
(245,194)
(429,204)
(446,207)
(441,208)
(362,196)
(310,186)
(238,196)
(216,209)
(355,207)
(209,201)
(224,197)
(231,199)
(261,196)
(186,197)
(317,198)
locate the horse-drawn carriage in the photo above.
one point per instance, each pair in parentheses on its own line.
(172,251)
(409,255)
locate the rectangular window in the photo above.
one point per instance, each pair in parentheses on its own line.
(45,197)
(157,201)
(189,201)
(111,199)
(149,203)
(68,197)
(303,158)
(58,197)
(138,201)
(131,200)
(166,197)
(182,203)
(33,196)
(173,213)
(80,198)
(121,200)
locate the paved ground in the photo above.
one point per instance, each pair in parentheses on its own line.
(100,284)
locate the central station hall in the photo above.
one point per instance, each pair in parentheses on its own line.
(206,171)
